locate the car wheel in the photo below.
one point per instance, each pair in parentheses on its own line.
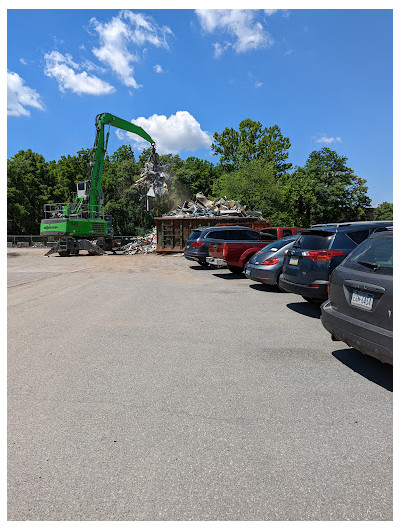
(235,269)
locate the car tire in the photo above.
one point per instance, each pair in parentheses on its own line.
(235,269)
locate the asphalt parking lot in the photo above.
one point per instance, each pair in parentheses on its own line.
(149,388)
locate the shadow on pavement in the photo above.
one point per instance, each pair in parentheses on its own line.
(306,308)
(368,367)
(259,286)
(200,267)
(229,276)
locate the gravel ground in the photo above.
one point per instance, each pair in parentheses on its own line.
(148,388)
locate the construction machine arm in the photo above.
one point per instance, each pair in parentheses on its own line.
(99,151)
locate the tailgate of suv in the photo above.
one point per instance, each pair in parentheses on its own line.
(300,268)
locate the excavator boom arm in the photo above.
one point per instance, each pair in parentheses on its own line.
(100,146)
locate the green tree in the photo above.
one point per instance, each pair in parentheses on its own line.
(196,176)
(255,185)
(67,172)
(29,187)
(384,211)
(325,190)
(251,142)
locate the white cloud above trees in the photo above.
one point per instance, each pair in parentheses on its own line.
(66,72)
(173,134)
(328,139)
(246,32)
(122,40)
(20,97)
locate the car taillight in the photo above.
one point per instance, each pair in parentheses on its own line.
(224,250)
(323,255)
(270,261)
(197,245)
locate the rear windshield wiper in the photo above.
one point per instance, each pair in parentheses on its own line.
(369,264)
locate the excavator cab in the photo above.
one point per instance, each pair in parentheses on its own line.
(82,189)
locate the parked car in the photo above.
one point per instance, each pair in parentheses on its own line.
(360,306)
(241,245)
(315,254)
(266,265)
(196,247)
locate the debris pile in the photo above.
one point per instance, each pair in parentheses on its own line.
(202,207)
(154,177)
(142,244)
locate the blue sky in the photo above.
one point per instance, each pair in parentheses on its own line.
(323,76)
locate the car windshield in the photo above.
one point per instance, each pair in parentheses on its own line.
(374,255)
(314,241)
(275,246)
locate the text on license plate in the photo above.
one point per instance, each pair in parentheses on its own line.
(293,261)
(362,300)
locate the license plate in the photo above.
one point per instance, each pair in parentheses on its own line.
(247,271)
(362,300)
(293,261)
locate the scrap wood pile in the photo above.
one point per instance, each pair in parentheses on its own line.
(202,207)
(142,244)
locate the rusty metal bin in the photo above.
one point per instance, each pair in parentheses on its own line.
(173,232)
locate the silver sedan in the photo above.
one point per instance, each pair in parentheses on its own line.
(266,265)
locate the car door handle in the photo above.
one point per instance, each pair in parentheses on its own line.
(364,286)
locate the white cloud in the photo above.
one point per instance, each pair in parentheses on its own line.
(270,12)
(23,61)
(328,140)
(258,84)
(179,132)
(158,69)
(123,32)
(63,69)
(19,96)
(248,33)
(219,49)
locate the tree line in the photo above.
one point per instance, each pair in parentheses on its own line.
(253,169)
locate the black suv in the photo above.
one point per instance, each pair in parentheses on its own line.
(308,264)
(196,247)
(360,306)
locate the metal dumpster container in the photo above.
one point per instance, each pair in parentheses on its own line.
(172,232)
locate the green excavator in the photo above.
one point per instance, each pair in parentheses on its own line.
(82,224)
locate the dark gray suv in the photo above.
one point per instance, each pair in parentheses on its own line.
(196,247)
(315,254)
(360,306)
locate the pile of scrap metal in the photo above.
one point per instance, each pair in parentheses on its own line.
(154,177)
(202,207)
(142,244)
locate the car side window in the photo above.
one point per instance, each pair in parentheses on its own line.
(217,235)
(251,235)
(269,234)
(358,236)
(286,232)
(238,234)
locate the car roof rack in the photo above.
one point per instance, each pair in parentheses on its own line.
(351,223)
